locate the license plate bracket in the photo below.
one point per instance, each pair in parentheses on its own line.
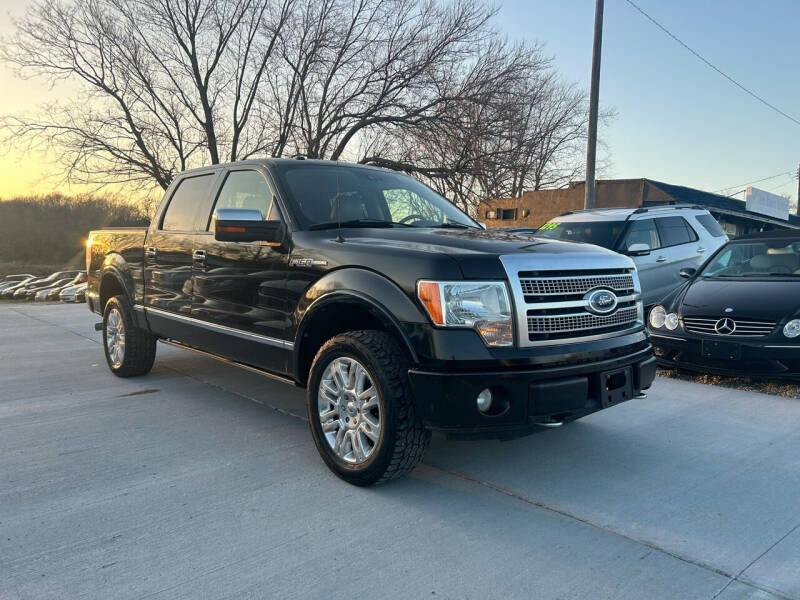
(616,386)
(721,349)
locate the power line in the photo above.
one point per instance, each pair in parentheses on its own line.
(709,64)
(730,187)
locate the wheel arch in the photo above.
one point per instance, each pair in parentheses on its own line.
(341,302)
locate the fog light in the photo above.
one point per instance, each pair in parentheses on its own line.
(485,400)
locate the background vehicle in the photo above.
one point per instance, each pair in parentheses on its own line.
(661,240)
(70,293)
(8,288)
(740,314)
(30,287)
(49,292)
(397,312)
(17,277)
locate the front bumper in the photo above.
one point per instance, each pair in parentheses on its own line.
(526,400)
(765,357)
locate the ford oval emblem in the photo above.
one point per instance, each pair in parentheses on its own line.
(601,302)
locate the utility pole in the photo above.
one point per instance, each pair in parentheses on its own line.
(594,97)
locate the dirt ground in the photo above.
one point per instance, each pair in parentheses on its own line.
(787,389)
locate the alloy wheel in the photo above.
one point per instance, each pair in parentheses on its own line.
(349,410)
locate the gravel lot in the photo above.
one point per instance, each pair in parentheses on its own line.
(201,481)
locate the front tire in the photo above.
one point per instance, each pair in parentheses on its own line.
(130,351)
(361,411)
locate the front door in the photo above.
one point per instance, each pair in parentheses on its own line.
(240,287)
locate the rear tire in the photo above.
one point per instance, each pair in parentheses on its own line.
(361,410)
(130,351)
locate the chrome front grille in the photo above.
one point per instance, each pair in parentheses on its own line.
(743,327)
(552,291)
(578,284)
(578,322)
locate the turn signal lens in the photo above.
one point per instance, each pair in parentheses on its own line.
(792,328)
(428,293)
(658,317)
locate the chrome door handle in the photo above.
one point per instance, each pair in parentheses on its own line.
(150,252)
(661,259)
(199,256)
(701,250)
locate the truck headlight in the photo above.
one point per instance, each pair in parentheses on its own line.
(792,328)
(480,305)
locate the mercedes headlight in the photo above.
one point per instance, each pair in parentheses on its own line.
(480,305)
(792,328)
(657,317)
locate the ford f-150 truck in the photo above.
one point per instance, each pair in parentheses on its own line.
(397,312)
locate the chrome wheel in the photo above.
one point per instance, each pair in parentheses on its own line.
(115,337)
(349,410)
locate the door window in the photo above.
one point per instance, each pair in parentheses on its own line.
(643,232)
(675,231)
(187,197)
(247,190)
(710,224)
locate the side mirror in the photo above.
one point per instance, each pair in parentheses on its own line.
(246,225)
(638,250)
(688,272)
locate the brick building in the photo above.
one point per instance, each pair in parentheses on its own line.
(534,208)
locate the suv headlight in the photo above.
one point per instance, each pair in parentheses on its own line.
(480,305)
(792,328)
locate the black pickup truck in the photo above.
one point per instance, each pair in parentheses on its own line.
(395,310)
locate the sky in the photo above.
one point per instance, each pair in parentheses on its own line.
(677,120)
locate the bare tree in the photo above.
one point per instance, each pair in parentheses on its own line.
(424,86)
(167,84)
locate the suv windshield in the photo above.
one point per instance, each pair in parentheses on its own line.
(325,196)
(601,233)
(756,259)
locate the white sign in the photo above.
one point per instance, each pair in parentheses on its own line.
(766,203)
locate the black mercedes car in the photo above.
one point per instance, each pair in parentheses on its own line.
(739,314)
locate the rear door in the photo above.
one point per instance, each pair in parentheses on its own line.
(679,245)
(169,246)
(239,288)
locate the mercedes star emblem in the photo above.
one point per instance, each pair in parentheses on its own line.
(725,326)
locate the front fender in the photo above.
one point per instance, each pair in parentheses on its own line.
(375,293)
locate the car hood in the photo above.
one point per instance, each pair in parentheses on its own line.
(476,250)
(761,299)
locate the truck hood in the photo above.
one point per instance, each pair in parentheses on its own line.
(762,299)
(476,251)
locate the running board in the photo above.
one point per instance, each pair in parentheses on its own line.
(229,361)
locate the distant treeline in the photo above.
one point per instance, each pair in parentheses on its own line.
(52,229)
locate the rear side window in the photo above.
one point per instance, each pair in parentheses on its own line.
(246,190)
(182,209)
(710,224)
(674,231)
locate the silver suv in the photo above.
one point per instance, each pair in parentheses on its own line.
(661,240)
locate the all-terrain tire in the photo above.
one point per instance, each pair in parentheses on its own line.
(403,439)
(139,347)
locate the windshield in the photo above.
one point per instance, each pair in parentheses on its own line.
(756,259)
(601,233)
(324,196)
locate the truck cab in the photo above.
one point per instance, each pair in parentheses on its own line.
(397,312)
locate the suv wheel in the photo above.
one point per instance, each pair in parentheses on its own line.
(361,411)
(130,350)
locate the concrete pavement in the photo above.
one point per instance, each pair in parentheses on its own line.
(201,481)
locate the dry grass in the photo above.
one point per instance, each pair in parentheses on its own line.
(775,387)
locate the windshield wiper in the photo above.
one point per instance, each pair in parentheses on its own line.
(454,225)
(356,223)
